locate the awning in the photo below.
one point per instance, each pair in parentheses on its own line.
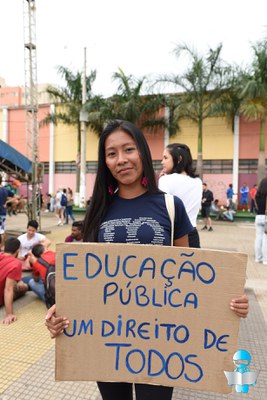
(14,163)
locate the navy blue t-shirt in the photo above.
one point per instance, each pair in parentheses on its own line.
(4,194)
(143,220)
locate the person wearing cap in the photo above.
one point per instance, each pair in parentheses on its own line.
(16,203)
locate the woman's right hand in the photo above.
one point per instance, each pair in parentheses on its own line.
(55,325)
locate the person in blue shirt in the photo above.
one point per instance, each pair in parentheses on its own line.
(128,207)
(229,196)
(244,191)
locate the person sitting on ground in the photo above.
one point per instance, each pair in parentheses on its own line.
(216,210)
(229,214)
(76,232)
(28,240)
(36,282)
(16,203)
(11,285)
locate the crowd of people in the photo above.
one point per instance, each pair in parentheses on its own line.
(61,204)
(126,189)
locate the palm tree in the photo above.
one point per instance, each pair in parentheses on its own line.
(201,86)
(70,97)
(254,98)
(132,103)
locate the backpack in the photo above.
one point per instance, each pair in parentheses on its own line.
(50,282)
(63,200)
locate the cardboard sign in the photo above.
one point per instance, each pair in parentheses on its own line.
(150,314)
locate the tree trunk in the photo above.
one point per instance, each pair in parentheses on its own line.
(78,159)
(261,166)
(78,172)
(199,168)
(261,161)
(199,150)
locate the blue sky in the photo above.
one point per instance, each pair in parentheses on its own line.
(137,36)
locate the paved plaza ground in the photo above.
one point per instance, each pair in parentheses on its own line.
(27,353)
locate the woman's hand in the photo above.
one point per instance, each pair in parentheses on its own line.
(162,172)
(240,306)
(55,325)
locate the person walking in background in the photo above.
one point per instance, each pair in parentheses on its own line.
(244,191)
(252,193)
(261,236)
(69,207)
(59,208)
(207,199)
(125,192)
(178,178)
(4,195)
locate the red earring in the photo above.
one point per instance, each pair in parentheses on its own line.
(110,190)
(144,181)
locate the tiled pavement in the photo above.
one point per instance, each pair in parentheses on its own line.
(27,353)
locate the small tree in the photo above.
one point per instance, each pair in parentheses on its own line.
(134,104)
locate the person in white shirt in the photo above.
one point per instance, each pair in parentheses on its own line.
(28,240)
(178,178)
(59,209)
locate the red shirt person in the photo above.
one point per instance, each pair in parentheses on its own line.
(11,285)
(76,232)
(38,269)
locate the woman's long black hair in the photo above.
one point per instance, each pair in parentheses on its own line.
(101,197)
(262,189)
(182,159)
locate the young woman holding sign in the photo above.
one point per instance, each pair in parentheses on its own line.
(126,192)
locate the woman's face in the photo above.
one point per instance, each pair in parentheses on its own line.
(123,159)
(167,162)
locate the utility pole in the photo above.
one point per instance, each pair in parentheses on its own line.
(83,119)
(31,107)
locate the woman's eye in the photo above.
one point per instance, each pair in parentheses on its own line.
(111,154)
(129,149)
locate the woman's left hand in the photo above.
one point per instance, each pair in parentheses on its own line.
(240,306)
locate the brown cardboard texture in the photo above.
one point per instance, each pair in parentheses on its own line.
(151,314)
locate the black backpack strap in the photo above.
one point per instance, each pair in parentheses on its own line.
(43,262)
